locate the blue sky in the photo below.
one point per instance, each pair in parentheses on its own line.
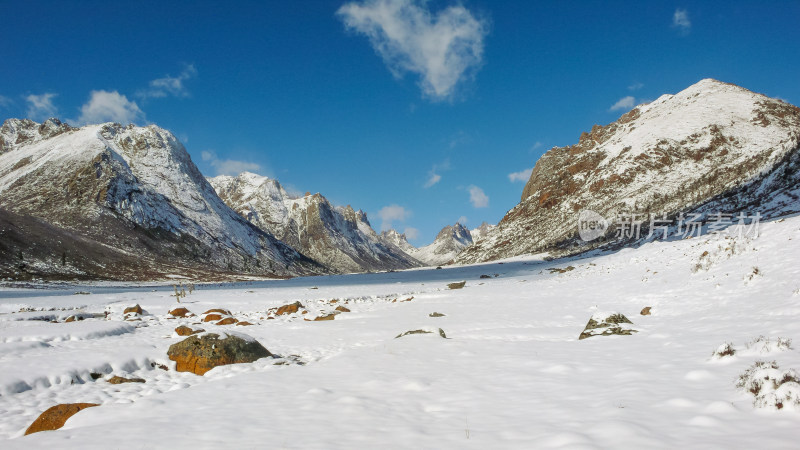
(417,112)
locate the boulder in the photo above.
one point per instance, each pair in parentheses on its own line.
(607,324)
(119,380)
(645,311)
(224,312)
(227,321)
(56,416)
(183,330)
(289,309)
(212,317)
(342,309)
(199,354)
(457,285)
(325,317)
(243,323)
(181,312)
(135,309)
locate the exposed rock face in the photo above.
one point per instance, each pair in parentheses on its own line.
(132,192)
(711,146)
(201,354)
(481,231)
(392,237)
(55,417)
(338,237)
(605,324)
(450,242)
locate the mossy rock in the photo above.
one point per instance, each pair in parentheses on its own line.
(199,354)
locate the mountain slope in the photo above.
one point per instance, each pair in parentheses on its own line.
(132,190)
(339,238)
(670,156)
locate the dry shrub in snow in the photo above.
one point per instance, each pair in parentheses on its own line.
(724,350)
(763,344)
(771,387)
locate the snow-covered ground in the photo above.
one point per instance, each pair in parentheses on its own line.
(511,373)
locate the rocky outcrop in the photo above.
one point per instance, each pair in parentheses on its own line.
(199,354)
(55,417)
(449,243)
(607,324)
(713,144)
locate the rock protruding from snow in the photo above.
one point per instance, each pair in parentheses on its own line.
(481,231)
(199,354)
(450,242)
(338,237)
(56,416)
(607,324)
(712,142)
(135,192)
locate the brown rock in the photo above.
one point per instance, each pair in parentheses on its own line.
(289,309)
(334,301)
(201,354)
(119,380)
(224,312)
(227,321)
(70,319)
(342,309)
(243,324)
(212,317)
(326,317)
(457,285)
(136,309)
(181,312)
(645,311)
(56,416)
(183,330)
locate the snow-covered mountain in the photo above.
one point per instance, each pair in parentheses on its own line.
(481,231)
(338,237)
(125,193)
(450,241)
(711,144)
(397,239)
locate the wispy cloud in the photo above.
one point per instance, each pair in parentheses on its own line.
(392,213)
(522,175)
(411,233)
(462,220)
(433,174)
(41,107)
(228,166)
(4,101)
(442,48)
(109,106)
(635,86)
(680,20)
(477,197)
(169,85)
(623,103)
(537,145)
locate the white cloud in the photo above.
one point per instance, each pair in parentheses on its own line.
(433,178)
(41,107)
(442,49)
(477,197)
(228,166)
(623,103)
(392,213)
(537,145)
(411,233)
(4,101)
(162,87)
(635,86)
(109,106)
(680,20)
(522,175)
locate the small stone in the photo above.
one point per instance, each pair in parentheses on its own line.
(326,317)
(243,324)
(436,314)
(342,309)
(227,321)
(645,311)
(212,318)
(70,319)
(181,312)
(183,330)
(136,309)
(119,380)
(457,285)
(485,276)
(289,309)
(55,417)
(224,312)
